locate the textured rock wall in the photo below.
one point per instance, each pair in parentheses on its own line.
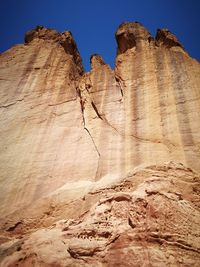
(89,150)
(42,138)
(163,90)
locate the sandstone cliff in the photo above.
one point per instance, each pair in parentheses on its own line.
(99,168)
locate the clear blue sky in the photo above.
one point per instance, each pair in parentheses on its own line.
(93,23)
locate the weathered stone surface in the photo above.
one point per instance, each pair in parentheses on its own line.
(166,38)
(130,35)
(65,39)
(149,219)
(84,179)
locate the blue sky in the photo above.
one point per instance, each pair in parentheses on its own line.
(93,23)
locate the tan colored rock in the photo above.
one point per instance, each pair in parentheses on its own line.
(41,124)
(84,179)
(165,38)
(151,219)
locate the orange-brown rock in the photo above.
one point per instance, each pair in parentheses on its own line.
(99,168)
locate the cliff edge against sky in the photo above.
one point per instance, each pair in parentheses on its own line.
(99,168)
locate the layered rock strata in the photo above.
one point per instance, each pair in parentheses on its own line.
(84,173)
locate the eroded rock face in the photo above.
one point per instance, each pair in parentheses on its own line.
(65,39)
(166,38)
(84,178)
(151,218)
(130,35)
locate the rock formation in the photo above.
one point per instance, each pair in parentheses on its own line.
(99,168)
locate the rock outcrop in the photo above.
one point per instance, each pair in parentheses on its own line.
(99,168)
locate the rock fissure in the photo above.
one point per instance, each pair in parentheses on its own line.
(96,110)
(62,102)
(13,103)
(119,82)
(166,240)
(134,136)
(84,121)
(85,128)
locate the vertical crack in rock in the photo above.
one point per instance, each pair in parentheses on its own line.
(96,110)
(119,83)
(84,121)
(81,104)
(92,140)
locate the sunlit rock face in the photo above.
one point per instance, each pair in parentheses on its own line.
(99,168)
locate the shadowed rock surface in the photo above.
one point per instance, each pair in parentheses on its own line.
(99,168)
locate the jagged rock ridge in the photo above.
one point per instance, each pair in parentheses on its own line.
(99,141)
